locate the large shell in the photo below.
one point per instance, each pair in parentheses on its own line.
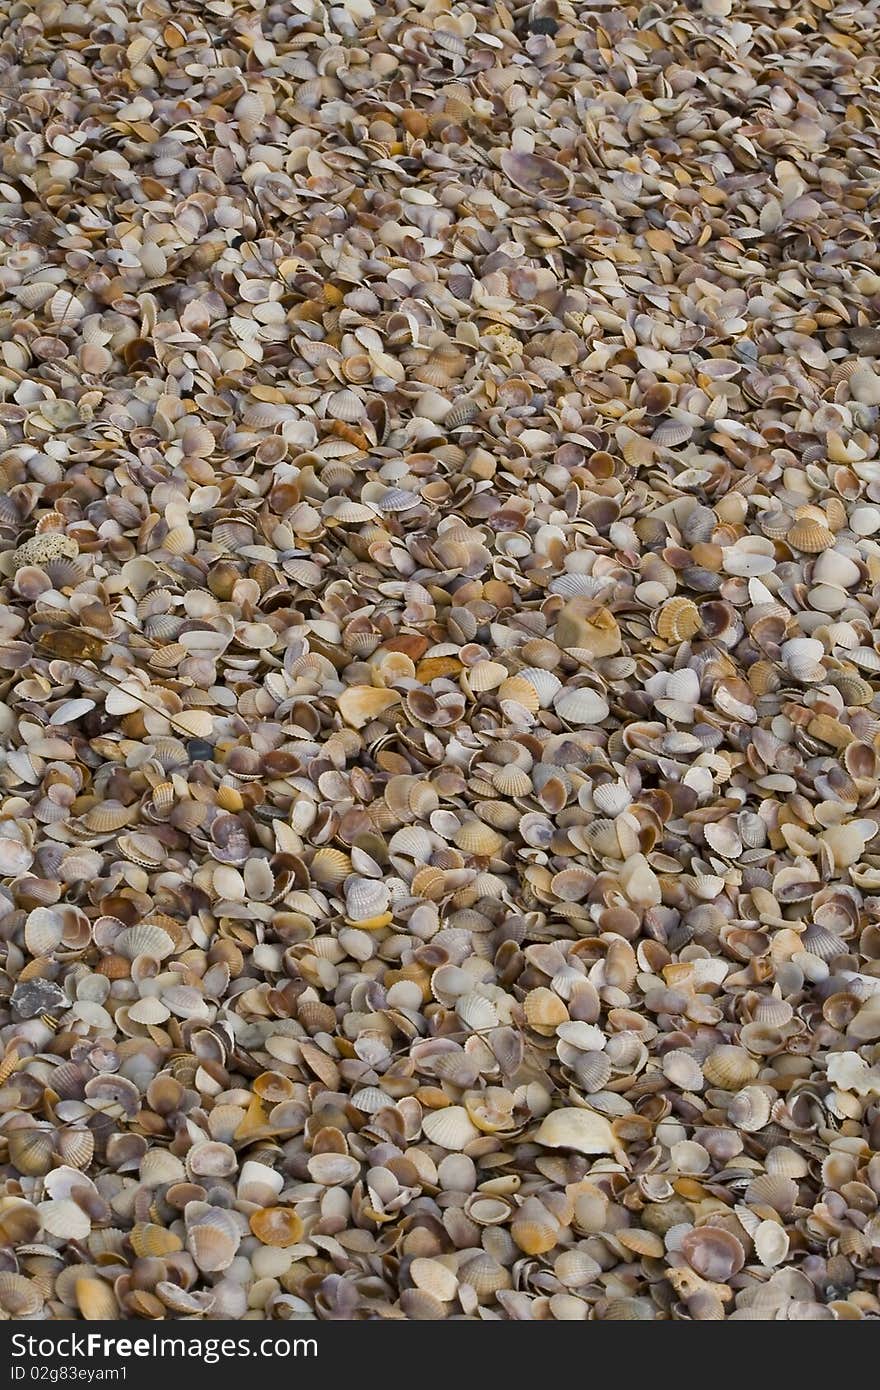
(451,1128)
(584,1131)
(581,705)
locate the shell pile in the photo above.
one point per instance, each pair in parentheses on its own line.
(439,660)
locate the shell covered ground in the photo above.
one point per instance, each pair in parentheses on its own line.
(439,669)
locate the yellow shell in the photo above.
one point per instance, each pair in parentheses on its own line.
(278,1226)
(361,703)
(810,536)
(96,1300)
(678,620)
(533,1228)
(148,1239)
(544,1011)
(520,690)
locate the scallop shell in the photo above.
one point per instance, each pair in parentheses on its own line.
(19,1297)
(511,780)
(713,1252)
(346,406)
(331,1169)
(450,1128)
(772,1190)
(486,675)
(771,1244)
(683,1070)
(730,1068)
(160,1168)
(476,1012)
(365,897)
(810,536)
(581,1130)
(475,837)
(148,1239)
(62,1218)
(536,174)
(546,685)
(678,620)
(750,1109)
(96,1300)
(31,1151)
(434,1278)
(329,867)
(520,692)
(212,1239)
(277,1226)
(147,939)
(581,705)
(533,1228)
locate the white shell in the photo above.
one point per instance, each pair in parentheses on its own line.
(581,706)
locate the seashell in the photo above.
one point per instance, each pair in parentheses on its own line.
(96,1300)
(809,535)
(519,692)
(533,1228)
(434,1278)
(31,1151)
(365,898)
(593,1071)
(329,867)
(149,1240)
(147,939)
(347,406)
(476,838)
(276,1226)
(362,703)
(63,1219)
(485,1275)
(683,1070)
(450,1128)
(581,1130)
(212,1238)
(713,1252)
(771,1243)
(536,174)
(160,1168)
(511,780)
(750,1109)
(20,1298)
(730,1068)
(678,620)
(43,931)
(581,705)
(772,1190)
(544,683)
(486,675)
(76,1147)
(476,1012)
(544,1011)
(330,1169)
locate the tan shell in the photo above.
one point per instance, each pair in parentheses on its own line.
(809,535)
(729,1067)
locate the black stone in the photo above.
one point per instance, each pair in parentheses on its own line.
(544,25)
(199,750)
(30,998)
